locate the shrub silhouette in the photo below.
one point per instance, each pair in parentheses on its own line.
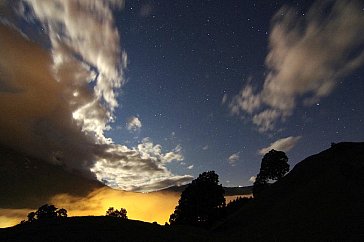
(273,167)
(201,202)
(117,213)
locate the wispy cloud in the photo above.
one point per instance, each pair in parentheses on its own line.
(284,144)
(233,159)
(307,56)
(133,123)
(224,99)
(245,101)
(190,167)
(206,147)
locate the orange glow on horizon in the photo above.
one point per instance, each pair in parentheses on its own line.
(148,207)
(11,217)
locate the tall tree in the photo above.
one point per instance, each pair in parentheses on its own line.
(201,202)
(273,167)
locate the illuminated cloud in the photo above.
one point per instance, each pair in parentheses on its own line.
(78,31)
(233,159)
(148,150)
(307,56)
(284,144)
(82,28)
(206,147)
(190,167)
(141,168)
(133,124)
(57,104)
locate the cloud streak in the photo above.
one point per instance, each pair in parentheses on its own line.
(284,144)
(307,56)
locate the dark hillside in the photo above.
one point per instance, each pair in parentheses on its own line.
(321,199)
(100,229)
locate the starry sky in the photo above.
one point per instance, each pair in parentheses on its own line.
(184,87)
(186,55)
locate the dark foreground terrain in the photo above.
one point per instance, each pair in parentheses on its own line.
(321,199)
(99,228)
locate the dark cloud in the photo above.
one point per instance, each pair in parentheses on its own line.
(36,119)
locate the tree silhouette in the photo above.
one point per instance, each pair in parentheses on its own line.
(61,213)
(201,202)
(273,167)
(117,213)
(31,217)
(46,212)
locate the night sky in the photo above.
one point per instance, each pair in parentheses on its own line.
(203,85)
